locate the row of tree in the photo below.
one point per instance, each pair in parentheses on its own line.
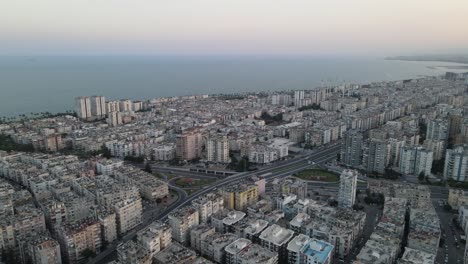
(7,144)
(32,115)
(308,107)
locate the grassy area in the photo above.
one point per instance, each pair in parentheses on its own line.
(362,184)
(192,182)
(169,176)
(317,175)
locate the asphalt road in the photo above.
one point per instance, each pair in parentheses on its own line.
(449,233)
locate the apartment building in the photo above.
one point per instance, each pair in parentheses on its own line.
(181,222)
(189,145)
(217,149)
(348,187)
(128,214)
(75,239)
(276,239)
(239,196)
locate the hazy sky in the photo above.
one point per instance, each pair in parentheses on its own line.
(315,27)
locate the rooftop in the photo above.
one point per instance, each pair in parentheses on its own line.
(277,235)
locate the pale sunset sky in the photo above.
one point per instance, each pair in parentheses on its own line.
(222,27)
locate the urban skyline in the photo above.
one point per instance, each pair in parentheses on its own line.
(233,132)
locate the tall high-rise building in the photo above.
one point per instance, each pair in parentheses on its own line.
(351,148)
(189,145)
(395,145)
(113,106)
(348,187)
(455,121)
(415,160)
(98,106)
(436,146)
(90,108)
(456,163)
(377,156)
(424,159)
(298,98)
(281,99)
(125,105)
(83,107)
(217,149)
(114,119)
(437,129)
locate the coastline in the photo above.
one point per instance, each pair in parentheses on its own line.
(461,59)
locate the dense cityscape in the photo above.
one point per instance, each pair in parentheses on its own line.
(362,174)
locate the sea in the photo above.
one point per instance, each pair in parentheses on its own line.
(49,83)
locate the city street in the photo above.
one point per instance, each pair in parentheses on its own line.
(452,248)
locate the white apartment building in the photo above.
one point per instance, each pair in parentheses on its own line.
(164,152)
(233,249)
(75,239)
(114,119)
(456,163)
(294,249)
(98,106)
(90,108)
(351,148)
(107,166)
(298,98)
(276,239)
(83,107)
(113,106)
(261,154)
(348,187)
(137,106)
(128,214)
(424,159)
(376,157)
(437,129)
(415,160)
(217,149)
(208,205)
(125,105)
(436,146)
(181,222)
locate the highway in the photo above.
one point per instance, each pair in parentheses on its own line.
(280,169)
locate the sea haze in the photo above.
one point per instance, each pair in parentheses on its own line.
(38,84)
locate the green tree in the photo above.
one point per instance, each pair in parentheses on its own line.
(447,207)
(148,168)
(105,152)
(242,165)
(88,253)
(421,176)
